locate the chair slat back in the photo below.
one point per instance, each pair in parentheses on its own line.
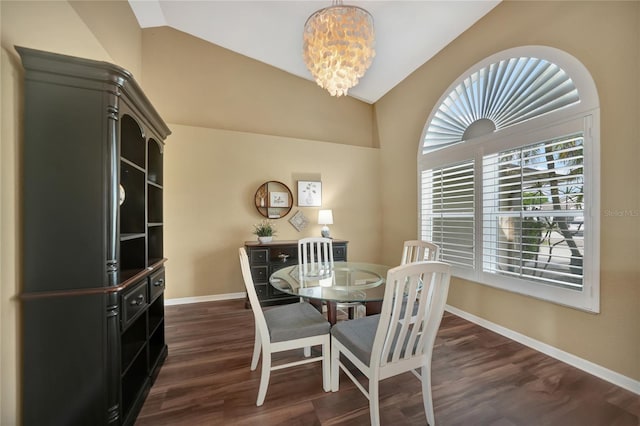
(409,332)
(261,323)
(317,251)
(417,251)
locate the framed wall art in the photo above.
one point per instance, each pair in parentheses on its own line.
(278,199)
(309,193)
(299,221)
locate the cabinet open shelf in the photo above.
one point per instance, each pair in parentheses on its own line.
(155,244)
(132,253)
(133,342)
(132,164)
(127,237)
(132,143)
(157,346)
(156,314)
(132,209)
(155,162)
(133,383)
(154,200)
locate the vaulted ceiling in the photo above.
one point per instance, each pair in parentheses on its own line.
(408,33)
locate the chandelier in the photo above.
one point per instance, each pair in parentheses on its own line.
(338,46)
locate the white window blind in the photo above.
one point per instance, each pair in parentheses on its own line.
(506,93)
(533,212)
(448,205)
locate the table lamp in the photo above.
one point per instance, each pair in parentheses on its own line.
(325,217)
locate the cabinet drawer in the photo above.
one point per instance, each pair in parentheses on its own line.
(258,256)
(156,285)
(134,303)
(340,253)
(277,294)
(277,266)
(261,291)
(284,254)
(260,274)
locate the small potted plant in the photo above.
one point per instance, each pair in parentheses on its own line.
(265,231)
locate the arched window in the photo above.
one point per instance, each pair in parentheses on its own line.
(509,176)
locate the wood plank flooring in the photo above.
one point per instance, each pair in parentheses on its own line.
(479,378)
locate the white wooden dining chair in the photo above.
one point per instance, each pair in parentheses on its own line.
(315,255)
(293,326)
(389,344)
(419,250)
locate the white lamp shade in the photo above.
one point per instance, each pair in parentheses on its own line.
(325,217)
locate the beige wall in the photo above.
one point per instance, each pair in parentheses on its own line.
(10,130)
(195,83)
(59,29)
(237,123)
(211,177)
(605,37)
(115,26)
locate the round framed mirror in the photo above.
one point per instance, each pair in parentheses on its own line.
(273,199)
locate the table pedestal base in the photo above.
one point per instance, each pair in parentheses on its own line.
(372,308)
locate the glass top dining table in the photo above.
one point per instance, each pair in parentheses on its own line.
(344,282)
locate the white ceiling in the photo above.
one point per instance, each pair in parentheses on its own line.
(408,33)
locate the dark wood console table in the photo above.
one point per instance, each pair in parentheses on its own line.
(266,258)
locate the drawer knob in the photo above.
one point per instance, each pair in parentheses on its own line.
(283,256)
(159,283)
(137,301)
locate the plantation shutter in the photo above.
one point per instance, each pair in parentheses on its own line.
(507,92)
(533,212)
(448,204)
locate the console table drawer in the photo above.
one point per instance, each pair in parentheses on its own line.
(258,256)
(284,254)
(260,274)
(340,253)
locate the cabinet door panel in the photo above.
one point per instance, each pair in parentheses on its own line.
(64,192)
(70,331)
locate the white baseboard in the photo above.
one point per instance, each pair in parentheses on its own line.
(210,298)
(597,370)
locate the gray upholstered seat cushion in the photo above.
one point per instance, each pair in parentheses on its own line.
(295,321)
(357,335)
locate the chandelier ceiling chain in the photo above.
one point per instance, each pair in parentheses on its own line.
(338,46)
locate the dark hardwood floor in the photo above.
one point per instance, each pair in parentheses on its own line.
(479,378)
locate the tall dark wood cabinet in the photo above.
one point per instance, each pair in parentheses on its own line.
(93,266)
